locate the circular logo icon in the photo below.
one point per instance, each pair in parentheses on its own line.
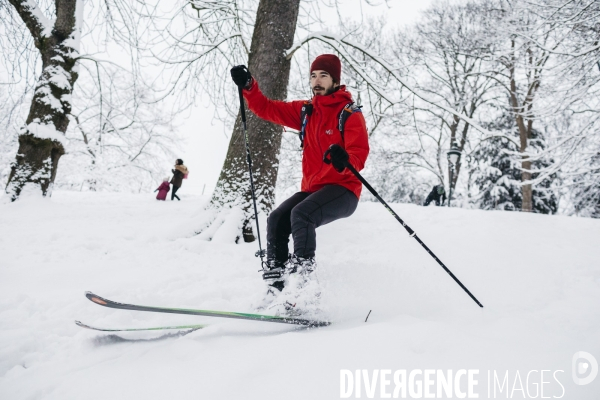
(584,368)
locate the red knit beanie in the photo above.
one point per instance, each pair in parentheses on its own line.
(330,63)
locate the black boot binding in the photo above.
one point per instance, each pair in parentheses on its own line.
(275,274)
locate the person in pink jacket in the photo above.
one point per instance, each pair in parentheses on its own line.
(163,189)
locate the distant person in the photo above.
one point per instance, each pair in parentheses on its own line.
(437,193)
(163,189)
(179,174)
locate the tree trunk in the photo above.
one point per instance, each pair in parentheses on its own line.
(452,170)
(273,34)
(524,133)
(40,140)
(461,147)
(526,190)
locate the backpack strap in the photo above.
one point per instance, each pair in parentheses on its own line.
(346,112)
(305,112)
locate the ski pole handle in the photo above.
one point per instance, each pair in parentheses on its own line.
(242,108)
(338,164)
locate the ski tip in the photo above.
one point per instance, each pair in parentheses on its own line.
(81,324)
(95,298)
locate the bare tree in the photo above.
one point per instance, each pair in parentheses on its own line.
(116,130)
(524,64)
(16,66)
(41,140)
(448,50)
(531,52)
(275,24)
(196,43)
(546,73)
(120,138)
(576,124)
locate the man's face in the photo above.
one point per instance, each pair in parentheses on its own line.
(321,83)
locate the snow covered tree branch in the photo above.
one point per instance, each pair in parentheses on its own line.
(120,138)
(41,140)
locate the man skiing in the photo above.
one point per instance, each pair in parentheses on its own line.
(328,192)
(437,194)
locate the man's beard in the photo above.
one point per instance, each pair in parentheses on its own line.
(327,92)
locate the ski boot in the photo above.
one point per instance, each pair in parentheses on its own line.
(302,293)
(274,276)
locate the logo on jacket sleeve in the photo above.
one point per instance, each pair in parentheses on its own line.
(329,131)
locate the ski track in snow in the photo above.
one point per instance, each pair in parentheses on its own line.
(537,276)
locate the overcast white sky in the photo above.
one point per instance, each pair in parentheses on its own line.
(207,140)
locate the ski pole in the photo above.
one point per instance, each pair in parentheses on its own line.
(408,228)
(260,253)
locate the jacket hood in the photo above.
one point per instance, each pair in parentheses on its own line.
(182,168)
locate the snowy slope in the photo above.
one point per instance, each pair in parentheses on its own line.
(537,276)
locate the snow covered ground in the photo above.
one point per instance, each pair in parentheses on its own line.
(537,276)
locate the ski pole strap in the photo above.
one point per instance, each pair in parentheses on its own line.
(410,231)
(307,109)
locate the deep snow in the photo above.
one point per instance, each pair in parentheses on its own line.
(537,276)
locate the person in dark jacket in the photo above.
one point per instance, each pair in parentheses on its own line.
(179,173)
(437,193)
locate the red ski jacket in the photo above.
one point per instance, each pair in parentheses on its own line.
(320,133)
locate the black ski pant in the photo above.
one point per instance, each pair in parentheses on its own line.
(173,195)
(439,199)
(301,215)
(431,198)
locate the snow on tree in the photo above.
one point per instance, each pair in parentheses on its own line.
(275,24)
(577,123)
(539,49)
(196,43)
(41,139)
(115,129)
(496,175)
(446,51)
(198,51)
(120,139)
(536,62)
(450,78)
(586,190)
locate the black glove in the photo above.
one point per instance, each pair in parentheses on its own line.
(338,157)
(241,76)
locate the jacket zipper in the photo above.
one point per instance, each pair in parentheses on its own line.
(320,149)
